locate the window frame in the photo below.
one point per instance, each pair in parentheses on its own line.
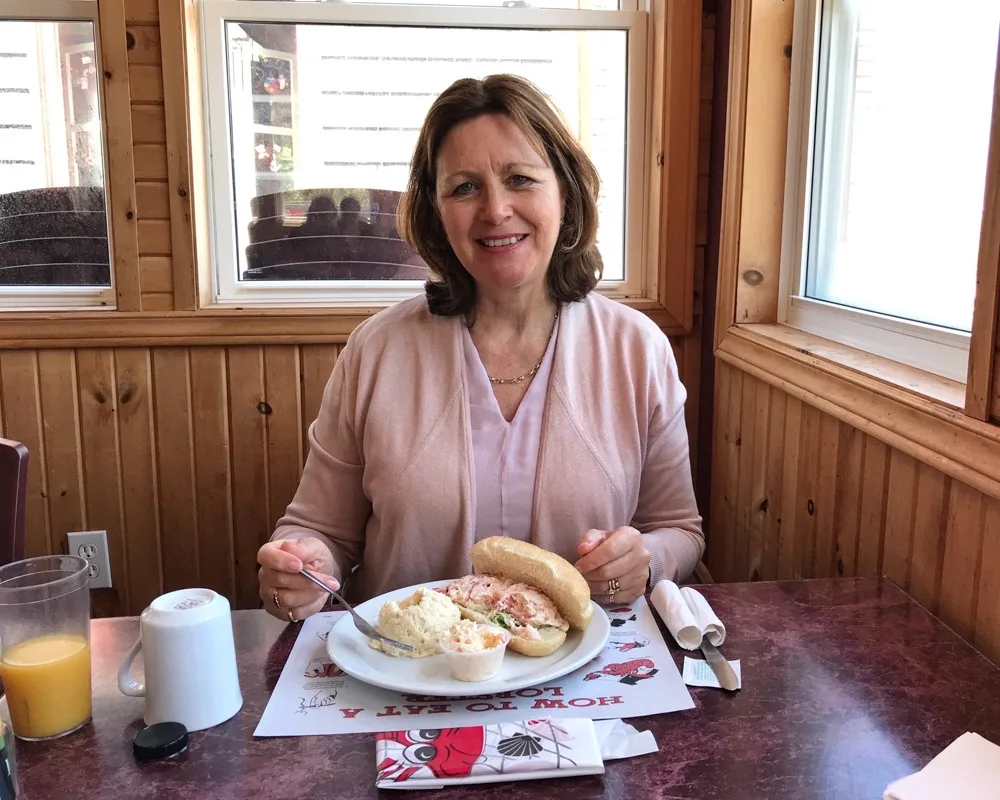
(19,299)
(227,290)
(931,348)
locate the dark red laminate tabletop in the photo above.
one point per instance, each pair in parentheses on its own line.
(848,685)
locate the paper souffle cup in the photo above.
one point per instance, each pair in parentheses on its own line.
(480,665)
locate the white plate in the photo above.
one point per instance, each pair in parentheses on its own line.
(349,650)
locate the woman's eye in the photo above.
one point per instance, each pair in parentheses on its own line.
(463,188)
(521,180)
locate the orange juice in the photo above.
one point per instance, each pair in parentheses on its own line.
(47,681)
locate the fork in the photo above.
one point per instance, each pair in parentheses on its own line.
(359,622)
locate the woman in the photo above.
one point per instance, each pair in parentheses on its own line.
(510,399)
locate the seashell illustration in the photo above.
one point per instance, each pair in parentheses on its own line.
(520,745)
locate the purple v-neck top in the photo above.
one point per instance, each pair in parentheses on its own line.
(505,454)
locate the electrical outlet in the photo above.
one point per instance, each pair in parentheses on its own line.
(93,546)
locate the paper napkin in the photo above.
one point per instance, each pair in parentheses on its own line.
(506,751)
(968,768)
(687,615)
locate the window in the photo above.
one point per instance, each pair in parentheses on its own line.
(314,110)
(888,139)
(54,242)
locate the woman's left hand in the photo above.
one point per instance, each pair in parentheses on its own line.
(608,556)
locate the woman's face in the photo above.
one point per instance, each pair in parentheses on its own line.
(500,203)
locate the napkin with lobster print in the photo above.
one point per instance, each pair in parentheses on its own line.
(506,751)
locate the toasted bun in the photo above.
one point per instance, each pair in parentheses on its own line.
(527,563)
(551,638)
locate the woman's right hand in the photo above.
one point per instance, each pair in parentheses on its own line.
(286,594)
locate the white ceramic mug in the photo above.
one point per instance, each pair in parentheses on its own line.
(190,660)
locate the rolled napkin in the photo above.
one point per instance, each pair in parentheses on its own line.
(968,768)
(687,615)
(506,751)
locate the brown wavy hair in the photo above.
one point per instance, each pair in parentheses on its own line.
(576,264)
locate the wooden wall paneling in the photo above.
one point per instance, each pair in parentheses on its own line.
(757,478)
(22,421)
(61,426)
(723,508)
(102,471)
(120,167)
(987,635)
(929,525)
(773,490)
(317,362)
(848,494)
(960,567)
(789,488)
(153,200)
(825,557)
(983,383)
(871,527)
(740,551)
(157,301)
(141,11)
(147,127)
(899,518)
(283,424)
(249,465)
(213,472)
(725,534)
(154,237)
(145,44)
(764,155)
(147,84)
(806,490)
(175,468)
(150,162)
(140,496)
(186,158)
(155,274)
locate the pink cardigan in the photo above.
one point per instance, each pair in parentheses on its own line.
(388,480)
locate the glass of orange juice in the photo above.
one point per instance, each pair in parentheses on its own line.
(45,645)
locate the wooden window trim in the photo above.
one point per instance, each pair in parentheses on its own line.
(939,422)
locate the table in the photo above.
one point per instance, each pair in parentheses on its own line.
(849,684)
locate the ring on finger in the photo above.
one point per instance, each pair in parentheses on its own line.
(291,616)
(274,598)
(613,587)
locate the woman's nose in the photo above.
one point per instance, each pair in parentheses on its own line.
(494,206)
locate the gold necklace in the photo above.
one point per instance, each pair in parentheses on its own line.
(531,372)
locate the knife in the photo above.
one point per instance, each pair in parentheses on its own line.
(722,669)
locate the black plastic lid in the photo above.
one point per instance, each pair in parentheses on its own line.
(162,740)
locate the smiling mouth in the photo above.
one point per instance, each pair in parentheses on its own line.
(503,241)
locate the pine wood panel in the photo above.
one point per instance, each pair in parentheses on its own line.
(148,126)
(139,493)
(141,11)
(249,448)
(153,202)
(101,451)
(22,420)
(154,237)
(846,504)
(212,468)
(175,467)
(145,47)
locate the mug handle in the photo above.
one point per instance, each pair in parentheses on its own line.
(127,685)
